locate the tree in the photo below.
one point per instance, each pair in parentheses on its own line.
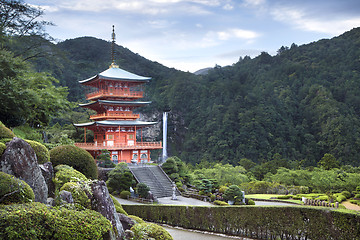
(233,193)
(120,178)
(328,161)
(104,159)
(142,189)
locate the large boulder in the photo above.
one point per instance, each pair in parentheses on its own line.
(19,160)
(102,203)
(126,222)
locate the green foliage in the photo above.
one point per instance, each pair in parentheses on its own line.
(36,221)
(170,166)
(251,202)
(120,178)
(104,159)
(42,153)
(221,203)
(2,148)
(263,222)
(65,174)
(136,218)
(5,132)
(27,132)
(347,194)
(205,186)
(144,231)
(78,158)
(14,190)
(142,189)
(328,161)
(233,193)
(125,194)
(78,192)
(118,207)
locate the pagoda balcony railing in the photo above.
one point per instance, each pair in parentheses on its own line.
(114,115)
(116,146)
(115,93)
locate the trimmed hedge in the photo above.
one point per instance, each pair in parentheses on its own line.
(5,132)
(150,231)
(265,222)
(75,157)
(14,190)
(42,153)
(36,221)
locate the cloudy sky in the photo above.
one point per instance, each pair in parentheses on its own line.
(193,34)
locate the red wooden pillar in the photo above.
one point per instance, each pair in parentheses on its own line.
(85,134)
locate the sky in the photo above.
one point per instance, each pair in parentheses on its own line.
(193,34)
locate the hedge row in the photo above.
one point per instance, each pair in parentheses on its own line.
(265,222)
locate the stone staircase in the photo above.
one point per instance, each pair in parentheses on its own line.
(154,177)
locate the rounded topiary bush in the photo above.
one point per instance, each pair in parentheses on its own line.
(136,219)
(36,221)
(14,190)
(64,174)
(5,132)
(150,230)
(125,194)
(42,153)
(75,157)
(118,207)
(2,148)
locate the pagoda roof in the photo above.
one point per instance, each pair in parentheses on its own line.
(111,123)
(110,102)
(117,74)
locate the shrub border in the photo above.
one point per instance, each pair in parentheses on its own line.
(259,222)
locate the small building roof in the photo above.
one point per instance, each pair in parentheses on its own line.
(117,74)
(112,123)
(111,103)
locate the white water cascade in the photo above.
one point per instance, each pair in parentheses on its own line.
(164,155)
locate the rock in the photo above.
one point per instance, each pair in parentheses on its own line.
(103,173)
(47,171)
(66,196)
(102,203)
(19,160)
(126,221)
(50,201)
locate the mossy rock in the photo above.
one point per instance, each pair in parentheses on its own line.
(65,174)
(78,193)
(5,132)
(75,157)
(42,153)
(2,148)
(37,221)
(150,230)
(136,219)
(14,190)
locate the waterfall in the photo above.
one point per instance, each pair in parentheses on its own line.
(164,155)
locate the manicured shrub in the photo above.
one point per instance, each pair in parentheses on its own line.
(142,189)
(5,132)
(357,195)
(339,197)
(78,193)
(347,194)
(136,219)
(221,203)
(2,148)
(233,193)
(75,157)
(251,202)
(14,190)
(64,174)
(125,194)
(120,178)
(322,198)
(42,153)
(150,230)
(118,207)
(36,221)
(284,196)
(222,189)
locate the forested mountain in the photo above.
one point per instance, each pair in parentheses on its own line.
(302,103)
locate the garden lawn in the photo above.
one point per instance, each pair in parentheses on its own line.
(269,196)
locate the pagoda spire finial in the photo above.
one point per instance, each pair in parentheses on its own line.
(113,64)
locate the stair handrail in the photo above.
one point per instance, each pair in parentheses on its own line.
(177,190)
(134,175)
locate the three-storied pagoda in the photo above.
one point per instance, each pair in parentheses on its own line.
(114,94)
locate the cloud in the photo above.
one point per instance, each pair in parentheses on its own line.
(328,24)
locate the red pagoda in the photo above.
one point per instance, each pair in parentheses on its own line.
(114,94)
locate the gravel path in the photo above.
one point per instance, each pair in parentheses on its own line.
(351,206)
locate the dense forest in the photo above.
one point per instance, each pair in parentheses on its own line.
(290,109)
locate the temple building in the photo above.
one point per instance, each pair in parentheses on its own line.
(114,94)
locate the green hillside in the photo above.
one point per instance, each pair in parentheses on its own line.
(295,106)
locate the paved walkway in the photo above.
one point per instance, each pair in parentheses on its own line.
(351,206)
(167,201)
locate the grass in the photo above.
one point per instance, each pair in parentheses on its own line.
(269,196)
